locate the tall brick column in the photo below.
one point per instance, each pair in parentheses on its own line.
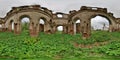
(10,27)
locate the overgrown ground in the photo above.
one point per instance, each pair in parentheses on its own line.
(101,45)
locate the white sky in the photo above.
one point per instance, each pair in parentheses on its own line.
(98,22)
(62,5)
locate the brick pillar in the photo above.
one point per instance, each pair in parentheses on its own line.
(33,29)
(71,29)
(47,28)
(78,28)
(64,29)
(41,27)
(10,27)
(3,28)
(17,28)
(54,29)
(86,29)
(37,29)
(110,28)
(74,28)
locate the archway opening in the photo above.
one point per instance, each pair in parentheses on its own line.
(77,26)
(25,21)
(60,29)
(59,15)
(11,25)
(41,25)
(100,23)
(0,25)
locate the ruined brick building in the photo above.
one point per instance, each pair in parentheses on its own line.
(36,12)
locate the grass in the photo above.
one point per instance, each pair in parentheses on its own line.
(59,46)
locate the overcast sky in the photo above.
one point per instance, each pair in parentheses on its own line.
(62,5)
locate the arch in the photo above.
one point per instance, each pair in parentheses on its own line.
(59,29)
(42,24)
(11,25)
(24,16)
(23,11)
(43,19)
(25,22)
(75,19)
(110,21)
(59,15)
(100,23)
(77,25)
(91,14)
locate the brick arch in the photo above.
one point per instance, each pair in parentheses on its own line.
(75,19)
(21,18)
(47,24)
(24,16)
(10,25)
(85,17)
(108,18)
(33,14)
(44,19)
(60,25)
(91,14)
(27,12)
(42,26)
(111,19)
(76,26)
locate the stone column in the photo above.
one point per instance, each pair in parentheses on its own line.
(41,28)
(110,28)
(37,28)
(84,34)
(17,28)
(86,29)
(47,28)
(67,29)
(72,28)
(78,28)
(10,27)
(3,27)
(33,29)
(75,28)
(54,29)
(64,29)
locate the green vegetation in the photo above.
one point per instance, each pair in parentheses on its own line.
(101,45)
(25,26)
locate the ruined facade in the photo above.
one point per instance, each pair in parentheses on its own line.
(52,20)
